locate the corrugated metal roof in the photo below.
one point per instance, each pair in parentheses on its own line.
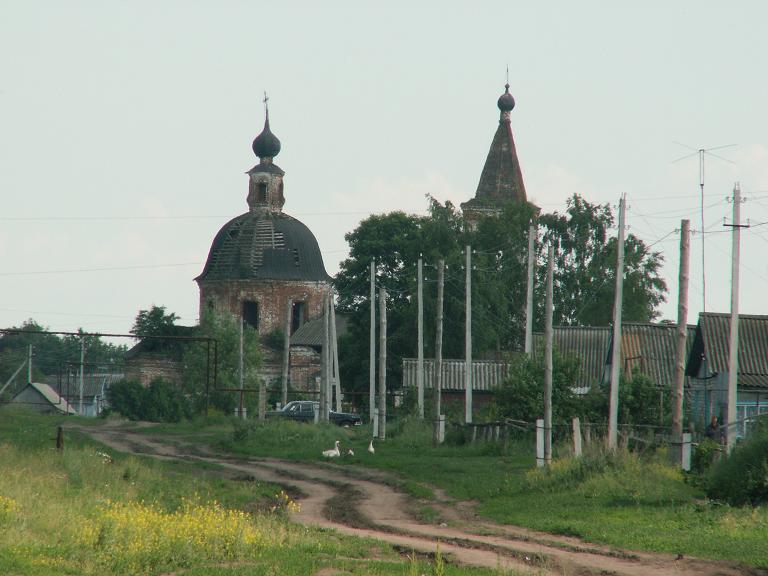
(93,384)
(652,348)
(311,332)
(486,374)
(712,341)
(589,344)
(649,347)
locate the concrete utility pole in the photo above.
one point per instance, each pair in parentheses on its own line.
(29,365)
(324,364)
(682,335)
(613,409)
(420,362)
(82,375)
(438,382)
(241,373)
(329,357)
(286,352)
(549,335)
(382,363)
(372,353)
(733,357)
(529,295)
(335,348)
(468,340)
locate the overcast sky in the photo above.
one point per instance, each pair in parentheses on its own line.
(125,131)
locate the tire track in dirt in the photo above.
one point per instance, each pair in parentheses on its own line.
(388,515)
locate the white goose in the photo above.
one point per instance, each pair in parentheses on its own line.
(333,452)
(350,452)
(370,448)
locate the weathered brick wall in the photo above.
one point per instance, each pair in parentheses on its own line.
(145,368)
(272,297)
(305,367)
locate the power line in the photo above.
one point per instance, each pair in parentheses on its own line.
(106,269)
(184,217)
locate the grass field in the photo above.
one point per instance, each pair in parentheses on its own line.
(91,511)
(625,501)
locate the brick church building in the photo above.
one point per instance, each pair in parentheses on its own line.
(264,265)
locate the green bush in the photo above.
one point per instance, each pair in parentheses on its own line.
(160,402)
(742,477)
(126,397)
(704,456)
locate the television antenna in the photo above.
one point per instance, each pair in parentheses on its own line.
(702,153)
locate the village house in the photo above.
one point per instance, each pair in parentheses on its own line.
(708,369)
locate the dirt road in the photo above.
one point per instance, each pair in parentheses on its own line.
(362,502)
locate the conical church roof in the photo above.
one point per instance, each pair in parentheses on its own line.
(501,180)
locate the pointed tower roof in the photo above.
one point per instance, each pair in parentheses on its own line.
(501,180)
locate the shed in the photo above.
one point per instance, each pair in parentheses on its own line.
(42,398)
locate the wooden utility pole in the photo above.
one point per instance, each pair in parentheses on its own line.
(529,294)
(286,352)
(733,357)
(382,363)
(438,381)
(82,375)
(420,361)
(324,364)
(613,408)
(372,349)
(335,348)
(549,336)
(682,335)
(468,339)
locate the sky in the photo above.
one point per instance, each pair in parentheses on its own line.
(126,130)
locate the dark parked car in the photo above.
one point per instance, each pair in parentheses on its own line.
(304,411)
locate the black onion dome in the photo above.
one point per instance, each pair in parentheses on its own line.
(266,144)
(264,246)
(506,102)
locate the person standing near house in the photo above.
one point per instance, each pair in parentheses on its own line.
(713,430)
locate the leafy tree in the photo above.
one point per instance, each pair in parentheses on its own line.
(585,268)
(53,354)
(224,329)
(585,259)
(154,322)
(522,394)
